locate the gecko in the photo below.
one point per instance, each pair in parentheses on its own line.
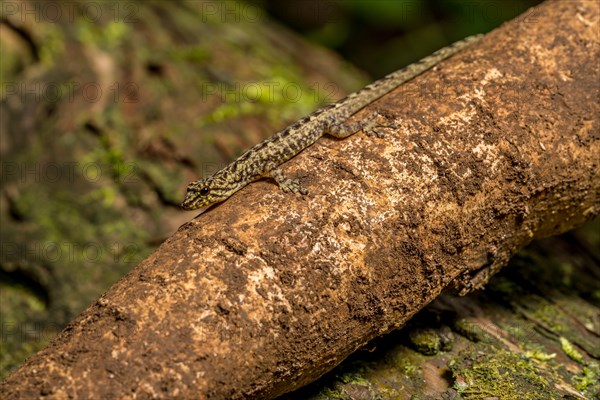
(263,160)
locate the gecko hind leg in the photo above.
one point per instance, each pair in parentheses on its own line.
(368,125)
(374,128)
(287,184)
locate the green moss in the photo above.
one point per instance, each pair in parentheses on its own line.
(21,334)
(348,386)
(114,33)
(229,111)
(430,341)
(52,46)
(85,241)
(409,369)
(16,303)
(11,356)
(549,314)
(589,380)
(499,374)
(108,37)
(570,351)
(329,393)
(354,378)
(539,355)
(194,54)
(468,329)
(279,98)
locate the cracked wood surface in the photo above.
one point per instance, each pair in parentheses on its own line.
(494,148)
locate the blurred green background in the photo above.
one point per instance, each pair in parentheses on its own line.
(380,36)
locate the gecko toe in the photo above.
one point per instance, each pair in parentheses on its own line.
(293,186)
(376,131)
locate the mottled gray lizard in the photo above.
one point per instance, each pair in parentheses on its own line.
(263,160)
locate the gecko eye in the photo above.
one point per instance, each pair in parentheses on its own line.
(204,191)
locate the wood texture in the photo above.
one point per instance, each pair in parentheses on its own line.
(267,291)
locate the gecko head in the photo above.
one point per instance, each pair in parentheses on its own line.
(204,193)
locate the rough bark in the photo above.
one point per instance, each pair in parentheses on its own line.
(531,334)
(494,148)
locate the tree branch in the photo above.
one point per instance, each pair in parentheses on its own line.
(267,291)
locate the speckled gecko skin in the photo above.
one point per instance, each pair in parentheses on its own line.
(263,160)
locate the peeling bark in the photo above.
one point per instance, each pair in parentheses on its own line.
(267,291)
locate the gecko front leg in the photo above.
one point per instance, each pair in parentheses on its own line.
(286,184)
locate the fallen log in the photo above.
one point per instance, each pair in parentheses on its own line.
(265,292)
